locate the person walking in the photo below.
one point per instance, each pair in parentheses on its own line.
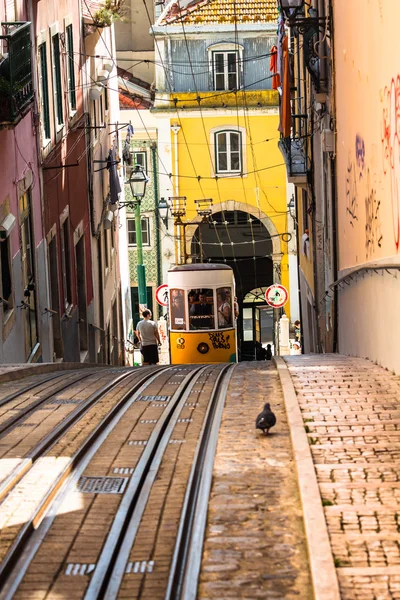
(149,338)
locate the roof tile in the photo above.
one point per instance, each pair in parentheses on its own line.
(217,12)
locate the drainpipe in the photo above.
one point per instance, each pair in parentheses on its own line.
(157,216)
(177,228)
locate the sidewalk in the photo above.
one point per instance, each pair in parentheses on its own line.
(255,543)
(351,414)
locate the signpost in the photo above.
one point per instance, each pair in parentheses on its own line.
(276,295)
(162,295)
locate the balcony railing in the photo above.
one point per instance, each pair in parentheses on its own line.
(16,86)
(295,157)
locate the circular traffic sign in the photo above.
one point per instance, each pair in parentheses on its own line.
(162,294)
(276,295)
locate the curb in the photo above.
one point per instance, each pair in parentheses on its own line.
(323,571)
(17,372)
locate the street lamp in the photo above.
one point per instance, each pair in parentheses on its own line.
(163,210)
(291,8)
(137,182)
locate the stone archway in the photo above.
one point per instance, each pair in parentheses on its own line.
(234,205)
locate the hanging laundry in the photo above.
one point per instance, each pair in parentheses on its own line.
(273,67)
(115,187)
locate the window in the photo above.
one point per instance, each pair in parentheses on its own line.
(94,119)
(225,70)
(66,264)
(71,69)
(57,87)
(6,282)
(140,158)
(145,231)
(228,152)
(224,307)
(178,317)
(201,308)
(44,92)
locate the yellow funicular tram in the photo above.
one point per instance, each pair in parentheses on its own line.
(202,323)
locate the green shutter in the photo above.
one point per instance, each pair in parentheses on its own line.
(57,79)
(44,91)
(71,68)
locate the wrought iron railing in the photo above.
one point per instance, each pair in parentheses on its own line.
(294,153)
(16,85)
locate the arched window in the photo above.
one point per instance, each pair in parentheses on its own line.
(228,152)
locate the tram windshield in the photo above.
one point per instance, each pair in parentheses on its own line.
(224,307)
(201,309)
(178,319)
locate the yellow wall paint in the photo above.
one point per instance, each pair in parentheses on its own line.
(264,190)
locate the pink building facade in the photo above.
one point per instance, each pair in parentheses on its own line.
(25,334)
(368,178)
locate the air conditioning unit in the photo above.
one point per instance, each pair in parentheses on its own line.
(328,140)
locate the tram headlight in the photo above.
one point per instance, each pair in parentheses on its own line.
(203,348)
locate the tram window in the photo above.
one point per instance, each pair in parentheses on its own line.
(201,309)
(224,307)
(178,320)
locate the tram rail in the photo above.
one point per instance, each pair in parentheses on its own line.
(201,392)
(39,450)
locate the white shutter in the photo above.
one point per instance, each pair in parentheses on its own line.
(10,10)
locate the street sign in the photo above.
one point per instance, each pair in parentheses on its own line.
(162,294)
(276,295)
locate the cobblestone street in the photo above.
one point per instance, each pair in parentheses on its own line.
(351,414)
(255,543)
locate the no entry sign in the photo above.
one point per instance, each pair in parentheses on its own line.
(162,294)
(276,295)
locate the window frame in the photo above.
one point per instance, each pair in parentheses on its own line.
(133,231)
(66,265)
(225,72)
(69,35)
(141,152)
(57,81)
(228,170)
(44,94)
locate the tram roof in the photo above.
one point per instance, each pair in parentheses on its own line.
(200,267)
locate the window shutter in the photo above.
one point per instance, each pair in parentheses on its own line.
(10,10)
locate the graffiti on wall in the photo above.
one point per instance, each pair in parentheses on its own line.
(390,139)
(373,232)
(351,193)
(358,189)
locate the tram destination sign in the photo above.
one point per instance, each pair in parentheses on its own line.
(162,294)
(276,295)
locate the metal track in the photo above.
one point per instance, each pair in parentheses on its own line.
(13,421)
(52,438)
(55,434)
(186,562)
(108,576)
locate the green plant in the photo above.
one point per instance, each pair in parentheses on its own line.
(326,502)
(338,562)
(308,420)
(307,429)
(113,10)
(312,441)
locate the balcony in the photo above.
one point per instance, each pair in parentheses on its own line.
(16,86)
(295,156)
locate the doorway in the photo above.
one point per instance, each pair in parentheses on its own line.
(81,291)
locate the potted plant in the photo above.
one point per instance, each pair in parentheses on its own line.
(110,12)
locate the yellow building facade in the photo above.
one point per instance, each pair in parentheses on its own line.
(217,120)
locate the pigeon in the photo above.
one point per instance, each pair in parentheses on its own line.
(266,419)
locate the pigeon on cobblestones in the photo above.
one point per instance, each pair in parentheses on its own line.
(266,419)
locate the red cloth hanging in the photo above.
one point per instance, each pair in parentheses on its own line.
(285,113)
(273,67)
